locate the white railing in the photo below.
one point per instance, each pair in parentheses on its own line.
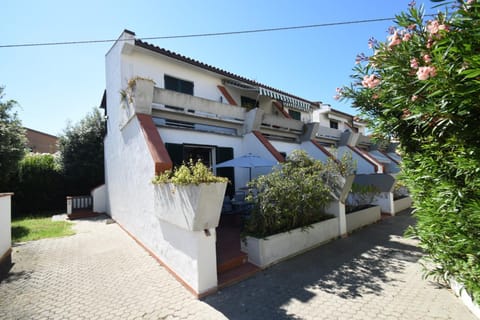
(79,203)
(185,103)
(329,133)
(276,122)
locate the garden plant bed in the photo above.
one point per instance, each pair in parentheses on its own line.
(362,217)
(264,252)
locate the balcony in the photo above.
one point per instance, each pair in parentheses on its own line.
(329,133)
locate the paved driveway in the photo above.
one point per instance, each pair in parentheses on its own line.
(101,273)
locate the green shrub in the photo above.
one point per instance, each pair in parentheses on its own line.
(190,173)
(422,87)
(39,185)
(293,195)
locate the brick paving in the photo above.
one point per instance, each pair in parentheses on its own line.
(101,273)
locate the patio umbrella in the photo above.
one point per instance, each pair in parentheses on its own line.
(249,161)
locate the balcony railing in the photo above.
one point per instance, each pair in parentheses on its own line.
(284,124)
(329,133)
(175,102)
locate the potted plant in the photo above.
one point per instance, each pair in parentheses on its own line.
(190,196)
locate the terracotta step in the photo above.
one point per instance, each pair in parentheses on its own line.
(237,274)
(230,261)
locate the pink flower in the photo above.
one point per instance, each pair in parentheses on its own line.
(394,40)
(406,37)
(413,26)
(432,26)
(339,93)
(414,98)
(375,96)
(424,73)
(427,58)
(370,81)
(414,63)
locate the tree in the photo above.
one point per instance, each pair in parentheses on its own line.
(422,87)
(12,141)
(81,150)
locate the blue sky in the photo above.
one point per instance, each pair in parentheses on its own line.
(56,84)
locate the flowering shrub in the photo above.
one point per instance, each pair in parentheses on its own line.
(422,86)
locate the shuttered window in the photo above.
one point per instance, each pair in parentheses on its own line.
(178,85)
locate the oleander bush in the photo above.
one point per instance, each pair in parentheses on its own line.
(422,86)
(294,194)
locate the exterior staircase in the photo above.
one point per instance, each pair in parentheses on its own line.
(232,264)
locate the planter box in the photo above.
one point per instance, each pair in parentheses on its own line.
(467,300)
(401,204)
(275,248)
(191,207)
(143,95)
(358,219)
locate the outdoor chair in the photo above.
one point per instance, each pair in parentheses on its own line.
(240,204)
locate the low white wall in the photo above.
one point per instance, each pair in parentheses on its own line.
(5,224)
(401,204)
(385,201)
(99,195)
(459,290)
(278,247)
(362,218)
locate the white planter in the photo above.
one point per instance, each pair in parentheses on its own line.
(402,204)
(143,96)
(467,300)
(362,218)
(191,207)
(275,248)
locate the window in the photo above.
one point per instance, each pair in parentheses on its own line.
(180,153)
(178,85)
(295,114)
(333,124)
(248,103)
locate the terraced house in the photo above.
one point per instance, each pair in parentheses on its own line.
(164,108)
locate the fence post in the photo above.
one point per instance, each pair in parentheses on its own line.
(69,205)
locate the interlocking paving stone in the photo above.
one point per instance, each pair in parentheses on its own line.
(101,273)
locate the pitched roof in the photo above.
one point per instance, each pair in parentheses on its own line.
(211,68)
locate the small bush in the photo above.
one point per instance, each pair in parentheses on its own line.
(191,173)
(293,195)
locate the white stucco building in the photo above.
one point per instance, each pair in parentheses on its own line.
(194,110)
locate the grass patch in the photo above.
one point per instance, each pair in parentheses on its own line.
(35,228)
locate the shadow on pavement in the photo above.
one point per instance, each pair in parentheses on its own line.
(348,268)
